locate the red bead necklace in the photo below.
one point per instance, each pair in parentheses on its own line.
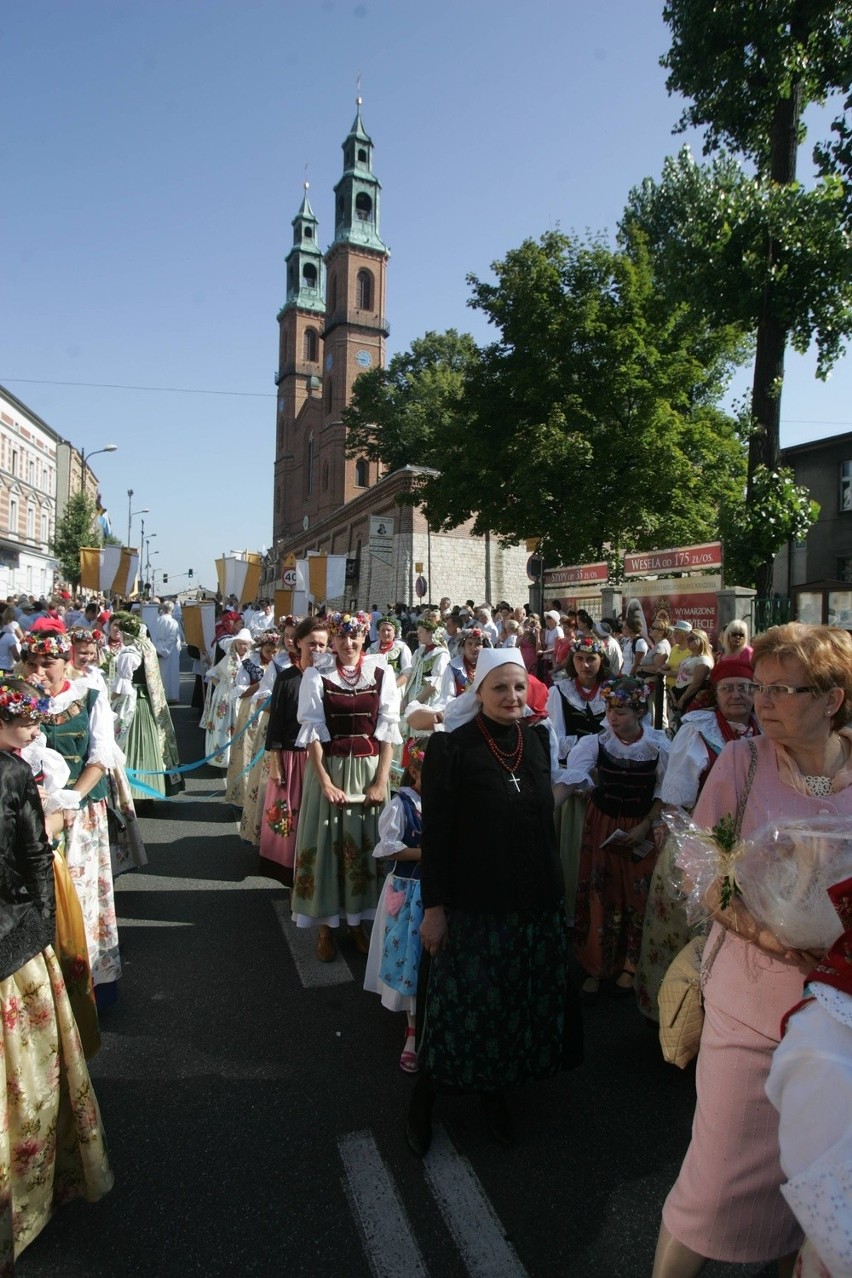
(350,674)
(586,694)
(510,760)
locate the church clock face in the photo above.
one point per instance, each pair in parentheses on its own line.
(329,362)
(363,359)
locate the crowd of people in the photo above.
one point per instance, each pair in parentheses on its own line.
(475,799)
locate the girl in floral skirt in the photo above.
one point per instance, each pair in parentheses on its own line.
(395,948)
(51,1140)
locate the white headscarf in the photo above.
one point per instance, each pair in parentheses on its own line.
(490,658)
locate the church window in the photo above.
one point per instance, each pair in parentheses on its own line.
(309,232)
(291,276)
(362,155)
(360,473)
(325,476)
(332,294)
(363,207)
(329,396)
(284,348)
(277,500)
(309,467)
(364,291)
(309,275)
(310,353)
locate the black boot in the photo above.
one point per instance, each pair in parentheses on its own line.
(418,1131)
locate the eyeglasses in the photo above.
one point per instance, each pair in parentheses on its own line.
(776,690)
(736,687)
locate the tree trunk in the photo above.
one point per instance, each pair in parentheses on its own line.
(765,444)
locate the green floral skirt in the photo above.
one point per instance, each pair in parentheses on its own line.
(501,1008)
(334,876)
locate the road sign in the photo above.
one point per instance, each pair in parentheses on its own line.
(534,567)
(289,578)
(420,587)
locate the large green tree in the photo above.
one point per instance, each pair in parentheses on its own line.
(76,527)
(742,237)
(590,421)
(397,413)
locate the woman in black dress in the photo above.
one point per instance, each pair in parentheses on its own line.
(500,1009)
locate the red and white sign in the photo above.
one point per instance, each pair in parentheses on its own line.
(577,574)
(701,558)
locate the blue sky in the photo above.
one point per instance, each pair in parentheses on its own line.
(155,160)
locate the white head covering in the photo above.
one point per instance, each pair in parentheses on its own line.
(490,658)
(244,634)
(553,615)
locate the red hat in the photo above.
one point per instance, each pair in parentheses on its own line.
(48,623)
(732,668)
(537,697)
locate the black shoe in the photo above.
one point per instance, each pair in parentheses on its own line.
(418,1130)
(498,1117)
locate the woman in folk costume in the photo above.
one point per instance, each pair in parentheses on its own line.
(257,777)
(286,761)
(78,725)
(620,770)
(696,746)
(143,725)
(392,647)
(51,1140)
(248,734)
(576,708)
(219,715)
(427,668)
(349,716)
(126,845)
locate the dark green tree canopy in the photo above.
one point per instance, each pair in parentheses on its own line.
(76,527)
(590,420)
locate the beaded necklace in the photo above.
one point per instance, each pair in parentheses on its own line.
(510,760)
(586,694)
(350,675)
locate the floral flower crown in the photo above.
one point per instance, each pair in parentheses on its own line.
(348,623)
(267,637)
(592,647)
(26,705)
(127,623)
(632,693)
(50,644)
(416,755)
(473,631)
(81,635)
(389,621)
(427,623)
(289,620)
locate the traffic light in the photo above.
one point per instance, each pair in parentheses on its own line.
(190,573)
(165,577)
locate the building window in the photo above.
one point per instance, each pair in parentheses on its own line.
(844,570)
(14,461)
(362,155)
(360,473)
(845,485)
(325,476)
(31,523)
(309,467)
(329,397)
(45,527)
(332,294)
(13,515)
(277,500)
(364,291)
(311,345)
(309,232)
(363,207)
(309,275)
(31,473)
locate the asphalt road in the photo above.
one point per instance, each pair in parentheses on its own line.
(255,1118)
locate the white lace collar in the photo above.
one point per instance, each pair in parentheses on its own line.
(649,745)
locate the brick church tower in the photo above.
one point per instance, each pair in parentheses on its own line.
(331,328)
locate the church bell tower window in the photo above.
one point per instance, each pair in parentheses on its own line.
(364,291)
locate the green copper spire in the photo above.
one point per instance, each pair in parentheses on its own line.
(357,194)
(305,267)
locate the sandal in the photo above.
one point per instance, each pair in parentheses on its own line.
(408,1060)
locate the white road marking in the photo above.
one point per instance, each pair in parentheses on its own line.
(468,1214)
(154,923)
(302,942)
(389,1244)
